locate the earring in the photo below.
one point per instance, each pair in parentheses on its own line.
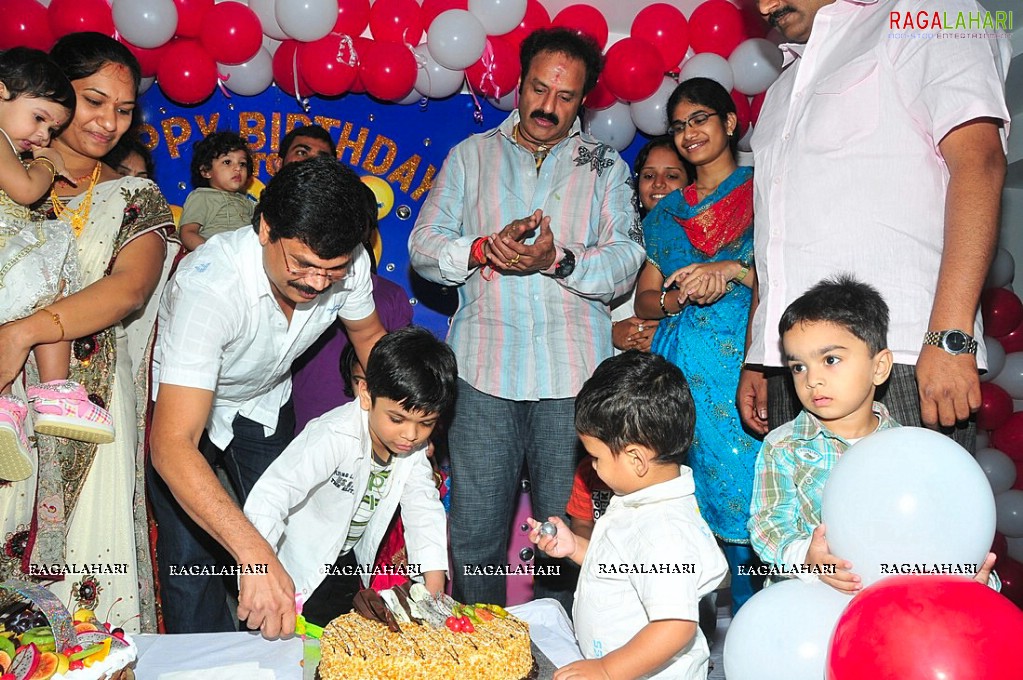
(730,133)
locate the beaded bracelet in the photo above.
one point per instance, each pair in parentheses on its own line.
(665,309)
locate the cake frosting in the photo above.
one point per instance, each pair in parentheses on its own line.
(120,657)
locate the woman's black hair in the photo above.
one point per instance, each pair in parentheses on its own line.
(709,93)
(81,55)
(29,72)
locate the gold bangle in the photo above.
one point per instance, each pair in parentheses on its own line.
(56,320)
(743,271)
(50,166)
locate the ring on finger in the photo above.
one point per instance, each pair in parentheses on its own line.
(515,260)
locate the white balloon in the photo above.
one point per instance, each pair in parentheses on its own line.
(744,152)
(651,114)
(1015,549)
(456,39)
(264,9)
(612,125)
(412,97)
(1010,378)
(995,359)
(145,84)
(998,468)
(498,16)
(1009,505)
(1002,271)
(783,632)
(983,439)
(507,102)
(756,63)
(145,23)
(432,79)
(271,44)
(305,20)
(251,77)
(708,65)
(907,496)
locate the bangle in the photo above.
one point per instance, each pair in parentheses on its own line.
(56,320)
(743,271)
(665,309)
(49,165)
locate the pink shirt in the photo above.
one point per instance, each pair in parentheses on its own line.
(848,177)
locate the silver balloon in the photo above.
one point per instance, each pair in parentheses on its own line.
(264,9)
(251,77)
(650,115)
(1010,378)
(432,79)
(1015,549)
(708,65)
(995,359)
(1009,508)
(1002,270)
(756,63)
(145,23)
(456,39)
(306,20)
(507,102)
(612,125)
(983,439)
(998,468)
(498,16)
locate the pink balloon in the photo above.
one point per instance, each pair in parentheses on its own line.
(285,66)
(1009,437)
(587,20)
(362,48)
(149,59)
(496,73)
(187,74)
(399,21)
(387,70)
(1002,312)
(666,28)
(536,17)
(599,97)
(73,16)
(190,17)
(433,8)
(742,111)
(632,69)
(1013,340)
(995,407)
(321,68)
(716,26)
(231,33)
(352,17)
(25,23)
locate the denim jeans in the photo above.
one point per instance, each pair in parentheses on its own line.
(489,440)
(198,604)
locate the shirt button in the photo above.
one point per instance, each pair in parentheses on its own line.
(799,95)
(777,180)
(536,297)
(787,135)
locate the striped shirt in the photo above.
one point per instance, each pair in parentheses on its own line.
(377,489)
(530,337)
(794,463)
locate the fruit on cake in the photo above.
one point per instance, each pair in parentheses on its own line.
(40,640)
(406,633)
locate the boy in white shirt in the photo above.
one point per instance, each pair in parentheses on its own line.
(651,556)
(326,502)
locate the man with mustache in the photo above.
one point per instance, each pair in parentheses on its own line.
(880,152)
(236,314)
(531,221)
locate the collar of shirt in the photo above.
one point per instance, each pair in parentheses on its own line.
(250,258)
(792,51)
(679,487)
(507,129)
(807,426)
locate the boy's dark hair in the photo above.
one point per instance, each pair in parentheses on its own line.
(846,302)
(319,202)
(83,54)
(310,131)
(372,225)
(412,367)
(212,147)
(129,144)
(346,364)
(29,72)
(705,92)
(638,398)
(565,41)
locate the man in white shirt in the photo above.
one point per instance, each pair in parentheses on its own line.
(881,152)
(237,313)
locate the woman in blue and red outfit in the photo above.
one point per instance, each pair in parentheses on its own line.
(699,243)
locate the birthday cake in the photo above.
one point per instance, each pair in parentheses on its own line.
(41,640)
(406,633)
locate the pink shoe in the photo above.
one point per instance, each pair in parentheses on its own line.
(15,460)
(62,409)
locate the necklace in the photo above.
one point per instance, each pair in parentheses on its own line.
(541,150)
(76,217)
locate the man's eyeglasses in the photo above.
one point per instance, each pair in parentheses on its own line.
(331,275)
(694,121)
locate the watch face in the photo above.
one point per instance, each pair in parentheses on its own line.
(955,342)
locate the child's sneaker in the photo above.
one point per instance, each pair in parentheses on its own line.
(62,409)
(15,461)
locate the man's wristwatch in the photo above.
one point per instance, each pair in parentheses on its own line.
(952,341)
(566,266)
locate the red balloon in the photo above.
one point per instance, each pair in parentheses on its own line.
(72,16)
(753,24)
(599,97)
(742,111)
(352,17)
(995,407)
(431,8)
(399,21)
(231,33)
(1011,573)
(285,68)
(149,59)
(1009,437)
(327,65)
(716,26)
(632,69)
(388,70)
(536,17)
(190,17)
(187,74)
(25,23)
(1001,310)
(1013,340)
(755,105)
(496,73)
(1000,547)
(587,20)
(362,48)
(927,627)
(666,28)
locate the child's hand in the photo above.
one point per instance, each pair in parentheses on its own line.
(591,668)
(984,573)
(819,554)
(562,544)
(53,156)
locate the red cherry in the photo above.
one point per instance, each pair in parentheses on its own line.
(76,665)
(469,628)
(452,624)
